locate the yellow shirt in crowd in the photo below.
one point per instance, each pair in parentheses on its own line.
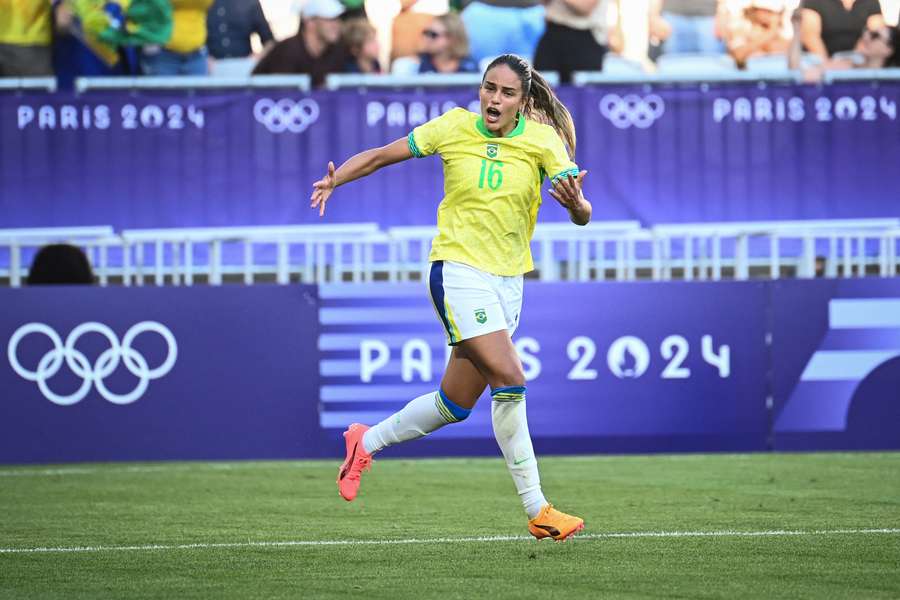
(188,25)
(492,188)
(25,22)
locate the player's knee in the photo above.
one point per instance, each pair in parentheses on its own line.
(450,410)
(512,376)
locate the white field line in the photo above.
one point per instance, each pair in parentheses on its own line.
(102,470)
(460,540)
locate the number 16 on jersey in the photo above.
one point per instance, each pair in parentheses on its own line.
(491,173)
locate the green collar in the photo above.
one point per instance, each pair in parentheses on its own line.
(518,130)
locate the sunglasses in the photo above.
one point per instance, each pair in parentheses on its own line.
(431,34)
(874,35)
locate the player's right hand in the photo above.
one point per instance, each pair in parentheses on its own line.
(322,190)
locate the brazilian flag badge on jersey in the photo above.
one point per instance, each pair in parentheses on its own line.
(493,150)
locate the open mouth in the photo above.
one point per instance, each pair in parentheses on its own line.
(491,115)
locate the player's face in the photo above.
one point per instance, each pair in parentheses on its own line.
(501,98)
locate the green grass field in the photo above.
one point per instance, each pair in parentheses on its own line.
(701,526)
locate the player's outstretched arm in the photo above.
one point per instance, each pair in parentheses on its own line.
(358,165)
(567,191)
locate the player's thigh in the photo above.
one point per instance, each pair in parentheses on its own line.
(466,301)
(463,383)
(495,357)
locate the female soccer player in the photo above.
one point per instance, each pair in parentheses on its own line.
(494,165)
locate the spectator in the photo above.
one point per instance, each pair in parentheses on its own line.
(315,50)
(361,43)
(498,27)
(231,23)
(25,38)
(760,32)
(95,39)
(575,39)
(876,49)
(185,53)
(60,264)
(407,24)
(687,26)
(831,26)
(446,47)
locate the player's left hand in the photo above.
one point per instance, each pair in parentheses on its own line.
(567,190)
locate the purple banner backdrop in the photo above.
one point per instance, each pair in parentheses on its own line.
(658,154)
(277,372)
(623,368)
(836,358)
(95,374)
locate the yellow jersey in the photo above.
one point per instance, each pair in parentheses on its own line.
(25,22)
(492,188)
(188,25)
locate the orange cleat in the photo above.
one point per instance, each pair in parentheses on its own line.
(554,524)
(357,461)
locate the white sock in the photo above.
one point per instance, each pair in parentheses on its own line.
(417,419)
(511,430)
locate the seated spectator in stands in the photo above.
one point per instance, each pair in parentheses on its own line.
(316,49)
(362,46)
(498,27)
(96,38)
(760,32)
(60,264)
(185,53)
(25,36)
(446,47)
(576,37)
(402,23)
(831,26)
(687,26)
(231,24)
(877,48)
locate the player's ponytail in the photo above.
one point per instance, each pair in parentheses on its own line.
(541,103)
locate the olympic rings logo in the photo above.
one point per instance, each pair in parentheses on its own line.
(105,365)
(632,110)
(286,114)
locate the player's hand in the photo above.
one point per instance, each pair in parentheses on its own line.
(567,190)
(322,190)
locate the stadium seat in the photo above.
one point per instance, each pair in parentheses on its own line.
(232,67)
(695,64)
(614,64)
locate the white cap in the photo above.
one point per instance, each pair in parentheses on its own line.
(773,5)
(322,9)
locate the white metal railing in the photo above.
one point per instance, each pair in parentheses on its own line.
(187,82)
(338,81)
(28,83)
(361,252)
(702,255)
(342,81)
(15,241)
(322,251)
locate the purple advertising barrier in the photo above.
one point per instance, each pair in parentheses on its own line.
(676,153)
(92,374)
(636,367)
(836,364)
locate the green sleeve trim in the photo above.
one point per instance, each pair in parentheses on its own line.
(411,142)
(573,172)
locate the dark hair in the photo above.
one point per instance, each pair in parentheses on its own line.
(541,103)
(894,39)
(60,263)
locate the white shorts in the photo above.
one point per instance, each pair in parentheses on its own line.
(470,302)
